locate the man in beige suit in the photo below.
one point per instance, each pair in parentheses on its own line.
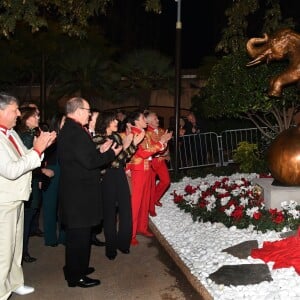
(16,163)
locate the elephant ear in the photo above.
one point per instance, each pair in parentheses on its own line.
(265,56)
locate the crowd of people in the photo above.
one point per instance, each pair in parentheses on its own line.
(86,171)
(68,170)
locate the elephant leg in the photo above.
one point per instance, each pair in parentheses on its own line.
(286,78)
(275,89)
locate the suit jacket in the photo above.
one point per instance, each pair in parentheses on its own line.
(15,170)
(79,186)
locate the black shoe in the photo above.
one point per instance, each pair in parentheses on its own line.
(38,233)
(98,243)
(111,256)
(85,282)
(89,270)
(28,259)
(125,251)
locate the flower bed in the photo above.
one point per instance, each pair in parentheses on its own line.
(235,201)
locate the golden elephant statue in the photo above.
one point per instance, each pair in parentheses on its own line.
(284,44)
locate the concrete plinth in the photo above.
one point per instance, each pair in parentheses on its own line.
(275,195)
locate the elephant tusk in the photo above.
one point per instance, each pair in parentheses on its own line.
(254,62)
(259,59)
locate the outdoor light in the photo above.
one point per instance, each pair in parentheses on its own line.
(177,81)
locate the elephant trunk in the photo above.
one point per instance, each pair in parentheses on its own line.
(252,46)
(259,49)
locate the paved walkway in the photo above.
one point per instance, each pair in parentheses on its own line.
(146,273)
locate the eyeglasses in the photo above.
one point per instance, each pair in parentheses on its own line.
(36,116)
(88,109)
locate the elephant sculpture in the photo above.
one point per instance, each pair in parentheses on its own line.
(284,44)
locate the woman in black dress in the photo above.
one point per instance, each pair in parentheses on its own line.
(117,220)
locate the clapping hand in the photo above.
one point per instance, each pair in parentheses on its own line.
(138,137)
(44,140)
(105,146)
(116,148)
(166,137)
(127,140)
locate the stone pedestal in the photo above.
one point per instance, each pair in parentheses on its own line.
(274,195)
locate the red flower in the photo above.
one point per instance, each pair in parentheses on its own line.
(238,213)
(279,218)
(225,179)
(205,194)
(273,211)
(257,215)
(202,203)
(233,186)
(190,190)
(177,198)
(220,196)
(231,202)
(216,185)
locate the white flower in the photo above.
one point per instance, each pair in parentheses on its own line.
(289,206)
(210,198)
(203,187)
(250,211)
(225,200)
(221,191)
(195,197)
(210,206)
(235,192)
(244,201)
(211,202)
(229,211)
(294,213)
(284,205)
(239,182)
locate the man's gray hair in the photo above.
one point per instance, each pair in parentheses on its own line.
(73,104)
(6,99)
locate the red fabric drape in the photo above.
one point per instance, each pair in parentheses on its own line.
(285,253)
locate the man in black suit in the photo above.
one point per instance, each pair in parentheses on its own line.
(79,190)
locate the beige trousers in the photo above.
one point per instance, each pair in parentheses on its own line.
(11,246)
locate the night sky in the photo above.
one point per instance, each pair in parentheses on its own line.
(129,27)
(198,36)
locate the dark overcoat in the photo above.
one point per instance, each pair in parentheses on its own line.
(79,187)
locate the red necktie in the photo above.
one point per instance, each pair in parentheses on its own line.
(11,138)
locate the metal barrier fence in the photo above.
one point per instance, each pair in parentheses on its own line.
(209,148)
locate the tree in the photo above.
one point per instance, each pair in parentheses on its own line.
(234,35)
(72,15)
(234,90)
(143,71)
(265,15)
(85,68)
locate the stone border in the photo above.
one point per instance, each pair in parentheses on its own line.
(196,284)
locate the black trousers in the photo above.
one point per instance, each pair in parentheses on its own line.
(77,253)
(117,217)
